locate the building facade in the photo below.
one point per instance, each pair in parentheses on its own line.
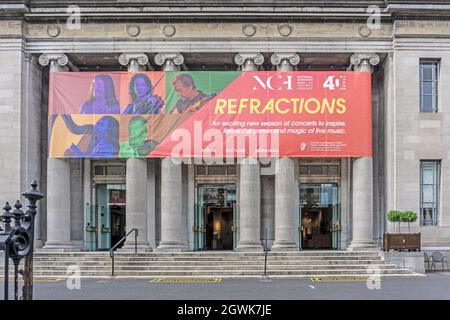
(309,203)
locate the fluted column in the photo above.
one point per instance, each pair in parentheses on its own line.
(362,238)
(136,177)
(285,179)
(58,181)
(173,227)
(249,180)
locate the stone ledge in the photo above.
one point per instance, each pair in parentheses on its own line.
(406,260)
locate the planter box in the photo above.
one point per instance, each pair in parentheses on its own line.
(401,241)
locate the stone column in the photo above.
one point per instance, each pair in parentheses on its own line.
(32,148)
(58,205)
(151,202)
(268,208)
(173,229)
(249,180)
(58,182)
(173,226)
(362,238)
(285,180)
(136,177)
(136,197)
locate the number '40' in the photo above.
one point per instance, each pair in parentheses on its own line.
(331,83)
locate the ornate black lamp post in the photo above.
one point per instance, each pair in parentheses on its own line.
(17,242)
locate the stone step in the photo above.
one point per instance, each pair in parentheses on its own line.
(212,267)
(210,263)
(269,258)
(211,253)
(201,269)
(164,265)
(232,264)
(317,272)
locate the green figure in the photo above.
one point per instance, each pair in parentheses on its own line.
(137,144)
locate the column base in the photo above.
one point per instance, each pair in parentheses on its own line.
(38,243)
(284,246)
(172,246)
(249,247)
(60,246)
(363,246)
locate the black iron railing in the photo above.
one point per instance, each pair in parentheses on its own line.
(17,242)
(266,252)
(111,251)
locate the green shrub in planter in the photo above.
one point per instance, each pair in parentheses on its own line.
(395,216)
(408,217)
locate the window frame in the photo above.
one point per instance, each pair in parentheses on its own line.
(434,85)
(436,164)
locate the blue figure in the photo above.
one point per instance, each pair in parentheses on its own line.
(99,141)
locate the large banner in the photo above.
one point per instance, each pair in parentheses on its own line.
(210,114)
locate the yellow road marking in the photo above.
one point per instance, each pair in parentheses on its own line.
(187,280)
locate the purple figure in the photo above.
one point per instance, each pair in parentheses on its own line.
(99,141)
(102,97)
(142,99)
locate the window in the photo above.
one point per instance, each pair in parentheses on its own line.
(320,170)
(429,192)
(429,86)
(215,170)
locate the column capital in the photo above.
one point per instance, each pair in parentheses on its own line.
(140,58)
(59,58)
(256,58)
(293,58)
(56,61)
(161,59)
(364,61)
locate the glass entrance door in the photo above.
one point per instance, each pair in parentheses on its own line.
(105,217)
(337,227)
(319,216)
(215,218)
(199,227)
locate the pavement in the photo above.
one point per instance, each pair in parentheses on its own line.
(433,286)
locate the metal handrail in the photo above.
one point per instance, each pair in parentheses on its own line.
(111,251)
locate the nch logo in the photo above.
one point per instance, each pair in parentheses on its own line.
(274,82)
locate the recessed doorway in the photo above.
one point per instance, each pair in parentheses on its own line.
(215,221)
(319,218)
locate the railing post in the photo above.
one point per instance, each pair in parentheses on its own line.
(112,264)
(16,280)
(33,196)
(135,240)
(111,251)
(6,282)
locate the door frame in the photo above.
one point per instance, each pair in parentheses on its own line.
(336,215)
(95,234)
(199,228)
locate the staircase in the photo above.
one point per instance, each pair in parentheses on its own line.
(215,264)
